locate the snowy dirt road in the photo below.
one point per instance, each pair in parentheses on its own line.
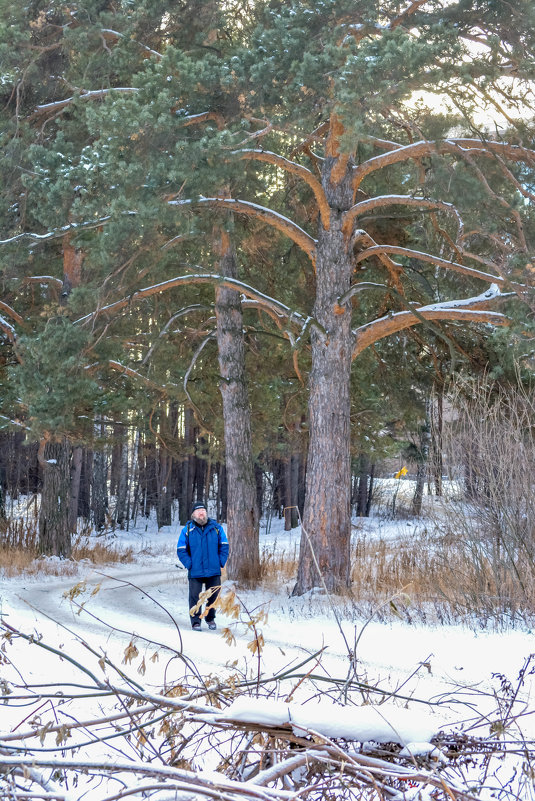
(146,603)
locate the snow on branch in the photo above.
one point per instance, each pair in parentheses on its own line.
(8,329)
(65,230)
(362,237)
(205,116)
(108,33)
(94,94)
(382,724)
(466,310)
(272,218)
(377,250)
(42,279)
(408,201)
(268,302)
(209,783)
(11,313)
(295,169)
(11,422)
(457,147)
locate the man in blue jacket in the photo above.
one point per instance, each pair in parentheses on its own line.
(203,549)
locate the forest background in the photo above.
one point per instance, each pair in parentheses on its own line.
(246,245)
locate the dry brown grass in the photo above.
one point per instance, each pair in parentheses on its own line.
(436,576)
(277,567)
(19,551)
(426,576)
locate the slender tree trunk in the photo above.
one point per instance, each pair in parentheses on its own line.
(54,531)
(84,493)
(423,461)
(325,540)
(191,437)
(121,513)
(99,494)
(165,466)
(362,492)
(2,493)
(199,488)
(242,512)
(370,490)
(224,494)
(287,466)
(438,432)
(259,478)
(294,486)
(76,472)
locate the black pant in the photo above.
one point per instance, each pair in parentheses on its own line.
(195,589)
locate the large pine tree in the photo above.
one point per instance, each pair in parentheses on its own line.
(313,120)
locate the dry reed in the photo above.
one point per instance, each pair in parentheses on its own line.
(19,551)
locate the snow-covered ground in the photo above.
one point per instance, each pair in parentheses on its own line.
(134,619)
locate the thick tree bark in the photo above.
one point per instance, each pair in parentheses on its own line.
(325,540)
(54,531)
(242,512)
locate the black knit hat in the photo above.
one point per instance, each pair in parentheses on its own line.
(198,505)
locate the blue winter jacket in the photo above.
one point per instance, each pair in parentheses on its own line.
(203,550)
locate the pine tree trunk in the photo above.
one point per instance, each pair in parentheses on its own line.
(259,478)
(242,513)
(163,510)
(288,493)
(190,437)
(84,494)
(370,490)
(99,495)
(122,487)
(437,435)
(54,532)
(423,461)
(325,540)
(417,498)
(362,492)
(2,493)
(75,474)
(224,493)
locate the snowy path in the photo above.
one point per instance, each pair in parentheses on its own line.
(421,662)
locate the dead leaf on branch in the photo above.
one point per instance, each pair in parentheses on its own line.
(63,735)
(75,591)
(256,645)
(130,653)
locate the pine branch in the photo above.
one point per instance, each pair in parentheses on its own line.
(466,309)
(92,94)
(295,169)
(422,148)
(408,201)
(430,259)
(11,313)
(267,302)
(8,329)
(272,218)
(109,33)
